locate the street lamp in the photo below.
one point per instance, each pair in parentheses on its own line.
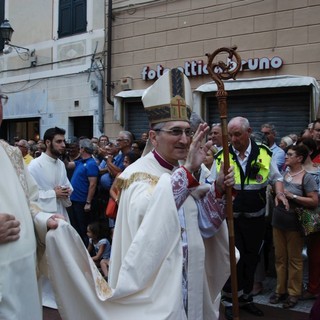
(6,32)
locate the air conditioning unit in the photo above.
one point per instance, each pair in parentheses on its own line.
(126,83)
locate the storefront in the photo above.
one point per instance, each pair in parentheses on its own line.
(288,102)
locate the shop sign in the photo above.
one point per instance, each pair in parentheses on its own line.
(198,68)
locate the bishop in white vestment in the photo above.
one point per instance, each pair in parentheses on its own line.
(170,253)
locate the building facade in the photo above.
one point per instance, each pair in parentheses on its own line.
(277,40)
(89,61)
(56,78)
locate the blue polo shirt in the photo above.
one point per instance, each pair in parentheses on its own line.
(84,169)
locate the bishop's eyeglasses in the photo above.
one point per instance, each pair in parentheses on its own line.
(177,132)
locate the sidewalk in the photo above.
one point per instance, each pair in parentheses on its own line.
(271,312)
(269,285)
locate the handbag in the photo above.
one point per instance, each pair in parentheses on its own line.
(112,209)
(308,218)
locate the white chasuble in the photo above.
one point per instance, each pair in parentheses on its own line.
(145,276)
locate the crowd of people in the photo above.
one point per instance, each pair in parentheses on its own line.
(169,186)
(278,230)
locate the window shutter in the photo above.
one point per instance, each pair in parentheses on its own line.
(80,16)
(72,17)
(65,18)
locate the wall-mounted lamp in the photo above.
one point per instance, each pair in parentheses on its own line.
(6,32)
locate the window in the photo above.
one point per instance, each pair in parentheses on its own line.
(72,17)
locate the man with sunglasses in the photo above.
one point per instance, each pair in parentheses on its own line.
(278,154)
(24,147)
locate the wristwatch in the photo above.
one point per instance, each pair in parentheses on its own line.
(294,196)
(87,202)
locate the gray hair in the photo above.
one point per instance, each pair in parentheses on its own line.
(287,140)
(244,122)
(269,126)
(87,145)
(195,121)
(128,135)
(25,143)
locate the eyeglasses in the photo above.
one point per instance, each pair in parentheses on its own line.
(177,131)
(120,139)
(20,146)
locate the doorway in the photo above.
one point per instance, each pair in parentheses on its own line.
(82,126)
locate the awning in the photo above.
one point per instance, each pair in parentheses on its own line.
(118,101)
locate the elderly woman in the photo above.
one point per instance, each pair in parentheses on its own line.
(285,143)
(300,189)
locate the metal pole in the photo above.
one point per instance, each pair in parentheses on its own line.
(222,71)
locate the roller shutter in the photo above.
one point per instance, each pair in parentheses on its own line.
(287,109)
(136,120)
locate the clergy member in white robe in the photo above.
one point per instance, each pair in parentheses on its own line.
(19,293)
(169,257)
(18,280)
(50,174)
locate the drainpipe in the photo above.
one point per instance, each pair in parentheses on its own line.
(100,106)
(109,85)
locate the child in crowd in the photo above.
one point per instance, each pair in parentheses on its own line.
(99,246)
